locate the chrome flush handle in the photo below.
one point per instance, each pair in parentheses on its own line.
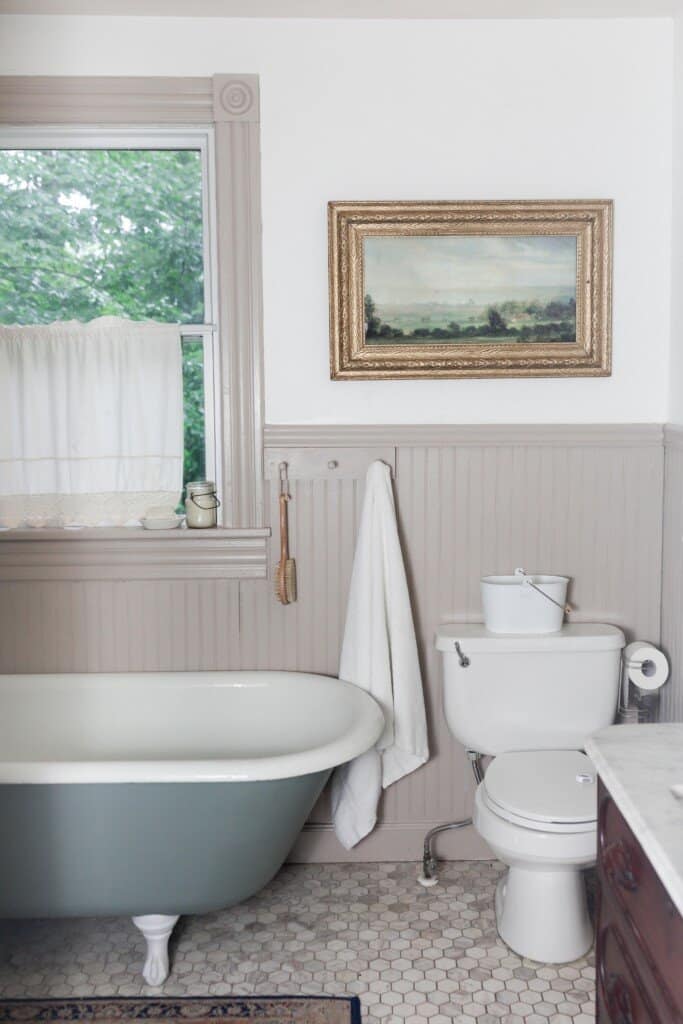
(462,657)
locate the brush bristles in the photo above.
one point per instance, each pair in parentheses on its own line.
(290,580)
(279,583)
(284,582)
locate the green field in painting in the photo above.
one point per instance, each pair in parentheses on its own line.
(512,320)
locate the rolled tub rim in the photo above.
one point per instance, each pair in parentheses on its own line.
(365,730)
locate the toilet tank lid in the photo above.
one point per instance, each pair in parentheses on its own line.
(574,636)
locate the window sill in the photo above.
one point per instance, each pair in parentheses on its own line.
(130,553)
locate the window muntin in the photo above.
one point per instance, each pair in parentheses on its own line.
(95,224)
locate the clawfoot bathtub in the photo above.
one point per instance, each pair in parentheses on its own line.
(160,794)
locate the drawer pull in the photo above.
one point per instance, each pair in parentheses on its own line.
(620,865)
(619,1003)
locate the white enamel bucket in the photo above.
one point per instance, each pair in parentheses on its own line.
(524,602)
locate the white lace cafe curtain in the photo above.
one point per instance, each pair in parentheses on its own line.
(91,422)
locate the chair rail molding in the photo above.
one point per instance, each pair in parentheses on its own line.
(356,435)
(673,435)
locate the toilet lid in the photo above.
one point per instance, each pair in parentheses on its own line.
(544,786)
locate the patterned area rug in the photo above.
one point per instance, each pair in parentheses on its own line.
(223,1010)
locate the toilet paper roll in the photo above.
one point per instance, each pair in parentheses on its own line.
(646,667)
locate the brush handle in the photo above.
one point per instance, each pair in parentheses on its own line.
(284,530)
(280,570)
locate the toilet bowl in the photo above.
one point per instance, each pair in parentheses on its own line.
(529,702)
(537,812)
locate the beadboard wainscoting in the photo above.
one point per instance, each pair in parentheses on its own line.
(672,573)
(581,500)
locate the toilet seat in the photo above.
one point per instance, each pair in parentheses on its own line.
(543,790)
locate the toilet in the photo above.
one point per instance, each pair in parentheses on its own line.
(530,701)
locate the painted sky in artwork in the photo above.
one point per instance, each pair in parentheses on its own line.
(460,269)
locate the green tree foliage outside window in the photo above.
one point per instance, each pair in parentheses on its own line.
(110,232)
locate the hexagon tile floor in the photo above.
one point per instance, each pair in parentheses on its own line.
(412,955)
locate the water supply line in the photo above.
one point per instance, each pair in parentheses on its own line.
(429,876)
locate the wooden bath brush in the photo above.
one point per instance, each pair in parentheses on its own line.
(285,572)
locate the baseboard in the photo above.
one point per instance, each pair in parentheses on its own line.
(318,844)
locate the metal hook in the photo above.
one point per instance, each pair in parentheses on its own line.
(284,480)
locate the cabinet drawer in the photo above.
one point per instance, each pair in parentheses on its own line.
(621,997)
(625,871)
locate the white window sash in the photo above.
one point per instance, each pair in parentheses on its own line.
(202,140)
(209,335)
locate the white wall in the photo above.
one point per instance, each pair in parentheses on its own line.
(369,109)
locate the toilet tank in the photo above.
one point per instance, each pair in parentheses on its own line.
(530,692)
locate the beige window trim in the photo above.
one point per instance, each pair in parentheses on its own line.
(229,103)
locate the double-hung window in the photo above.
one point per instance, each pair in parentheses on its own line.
(116,224)
(136,201)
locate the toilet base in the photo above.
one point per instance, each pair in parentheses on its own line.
(543,914)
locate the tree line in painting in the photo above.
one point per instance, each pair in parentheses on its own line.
(506,321)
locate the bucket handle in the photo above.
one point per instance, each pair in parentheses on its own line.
(566,608)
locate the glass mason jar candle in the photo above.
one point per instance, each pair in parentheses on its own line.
(201,504)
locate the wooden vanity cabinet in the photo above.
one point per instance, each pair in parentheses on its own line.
(639,942)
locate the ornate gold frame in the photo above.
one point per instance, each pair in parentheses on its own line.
(589,356)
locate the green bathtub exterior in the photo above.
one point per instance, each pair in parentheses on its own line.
(98,849)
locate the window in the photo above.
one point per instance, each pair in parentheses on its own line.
(164,119)
(116,225)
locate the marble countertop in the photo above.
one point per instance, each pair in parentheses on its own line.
(639,764)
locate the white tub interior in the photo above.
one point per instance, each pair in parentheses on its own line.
(179,726)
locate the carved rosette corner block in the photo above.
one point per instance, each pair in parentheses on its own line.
(235,98)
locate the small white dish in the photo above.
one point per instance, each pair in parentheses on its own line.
(162,522)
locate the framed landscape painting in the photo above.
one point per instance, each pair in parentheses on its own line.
(470,289)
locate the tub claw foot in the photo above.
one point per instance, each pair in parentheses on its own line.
(157,930)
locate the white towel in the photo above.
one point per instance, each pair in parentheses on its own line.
(379,654)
